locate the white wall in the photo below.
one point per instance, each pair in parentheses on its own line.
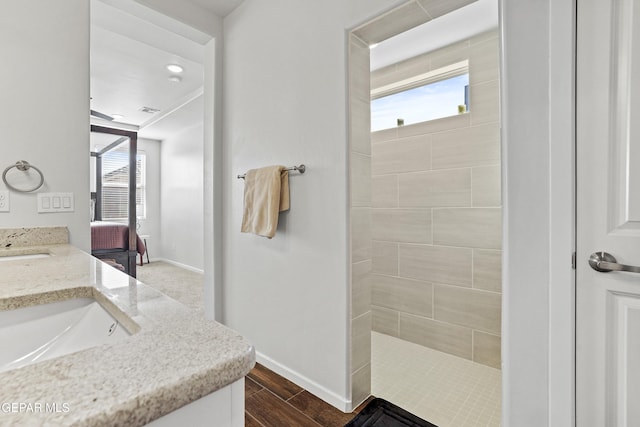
(151,224)
(537,135)
(181,199)
(44,107)
(285,102)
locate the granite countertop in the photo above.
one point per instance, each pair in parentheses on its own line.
(172,358)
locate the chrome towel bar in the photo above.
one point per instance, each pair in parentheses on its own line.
(301,169)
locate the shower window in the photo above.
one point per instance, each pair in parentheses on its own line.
(429,96)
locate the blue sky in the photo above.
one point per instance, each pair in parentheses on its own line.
(433,101)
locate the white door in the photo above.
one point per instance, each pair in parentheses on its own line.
(608,212)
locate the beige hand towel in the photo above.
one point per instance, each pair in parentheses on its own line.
(266,193)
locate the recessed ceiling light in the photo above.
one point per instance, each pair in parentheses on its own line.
(117,116)
(175,79)
(175,68)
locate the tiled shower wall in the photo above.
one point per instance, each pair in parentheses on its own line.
(436,215)
(360,184)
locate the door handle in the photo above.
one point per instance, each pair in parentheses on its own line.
(605,262)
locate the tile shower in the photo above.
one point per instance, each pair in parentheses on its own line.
(436,215)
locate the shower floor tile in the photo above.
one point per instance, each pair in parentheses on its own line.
(443,389)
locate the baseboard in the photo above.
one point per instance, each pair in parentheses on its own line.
(311,386)
(179,264)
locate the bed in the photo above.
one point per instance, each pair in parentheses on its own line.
(109,242)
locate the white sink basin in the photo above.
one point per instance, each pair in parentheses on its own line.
(28,256)
(33,334)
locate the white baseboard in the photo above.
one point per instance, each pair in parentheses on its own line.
(179,264)
(311,386)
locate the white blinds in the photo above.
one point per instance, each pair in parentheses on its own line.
(115,185)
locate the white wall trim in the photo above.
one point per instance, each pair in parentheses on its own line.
(311,386)
(538,191)
(179,264)
(562,213)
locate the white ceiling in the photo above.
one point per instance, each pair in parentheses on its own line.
(219,7)
(129,55)
(460,24)
(131,45)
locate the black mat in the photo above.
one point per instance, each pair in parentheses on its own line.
(380,413)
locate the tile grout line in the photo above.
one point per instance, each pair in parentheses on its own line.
(247,413)
(294,408)
(298,393)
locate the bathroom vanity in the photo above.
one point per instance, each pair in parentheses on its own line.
(167,366)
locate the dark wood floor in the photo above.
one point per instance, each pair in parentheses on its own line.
(274,401)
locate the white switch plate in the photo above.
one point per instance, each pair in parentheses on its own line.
(55,202)
(4,201)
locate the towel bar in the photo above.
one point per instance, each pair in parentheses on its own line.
(24,166)
(301,169)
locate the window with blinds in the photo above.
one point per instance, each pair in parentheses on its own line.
(115,185)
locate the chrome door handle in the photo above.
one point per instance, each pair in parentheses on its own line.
(605,262)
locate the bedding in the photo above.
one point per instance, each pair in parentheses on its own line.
(110,242)
(112,235)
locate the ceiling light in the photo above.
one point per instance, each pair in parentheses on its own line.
(117,116)
(175,79)
(175,68)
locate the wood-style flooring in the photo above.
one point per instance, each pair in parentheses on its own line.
(274,401)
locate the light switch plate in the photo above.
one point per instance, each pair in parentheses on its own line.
(4,201)
(55,202)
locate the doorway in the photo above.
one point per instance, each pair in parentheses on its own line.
(432,281)
(147,76)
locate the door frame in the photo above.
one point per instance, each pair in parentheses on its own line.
(538,137)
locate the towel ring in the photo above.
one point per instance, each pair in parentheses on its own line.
(22,165)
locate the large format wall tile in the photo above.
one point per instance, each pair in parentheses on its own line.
(360,234)
(361,339)
(467,307)
(385,258)
(486,186)
(360,288)
(359,63)
(487,270)
(449,167)
(406,295)
(360,175)
(435,188)
(451,54)
(384,191)
(361,384)
(486,349)
(440,336)
(432,126)
(485,102)
(393,23)
(384,135)
(436,264)
(468,227)
(467,147)
(401,155)
(437,8)
(485,58)
(402,225)
(385,321)
(360,125)
(400,71)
